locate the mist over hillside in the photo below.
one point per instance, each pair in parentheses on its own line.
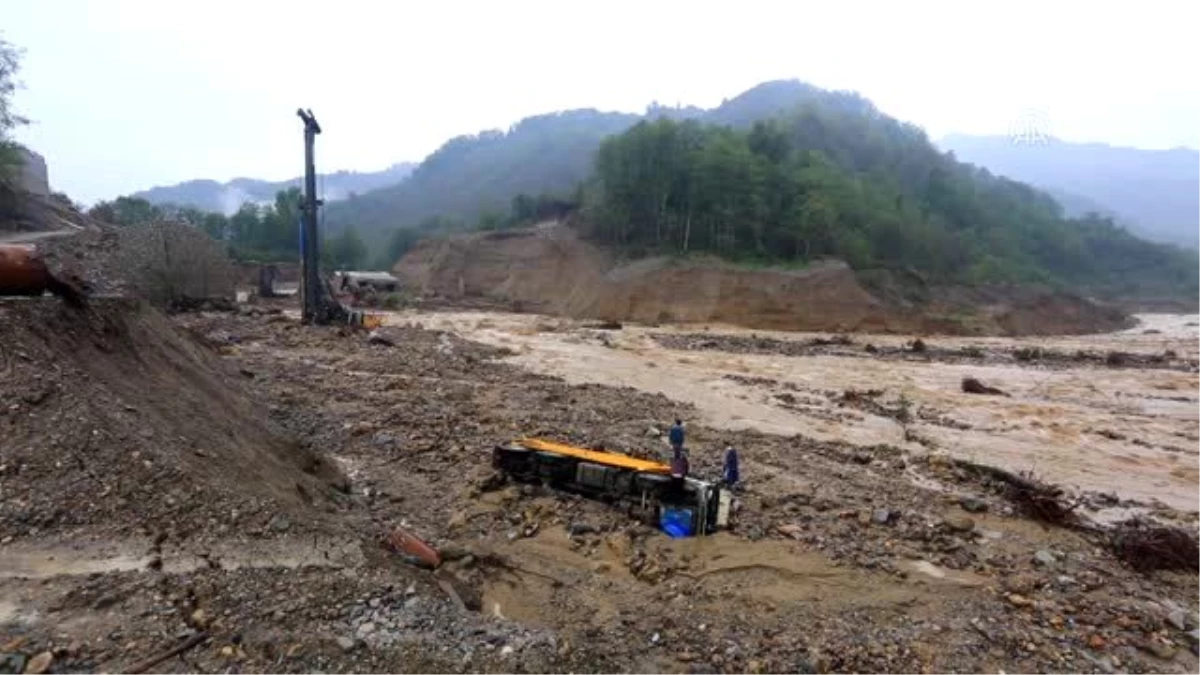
(473,174)
(1156,193)
(225,198)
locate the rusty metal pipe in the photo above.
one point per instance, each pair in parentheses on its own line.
(22,271)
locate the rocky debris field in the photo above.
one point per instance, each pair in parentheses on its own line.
(920,350)
(841,557)
(117,425)
(92,255)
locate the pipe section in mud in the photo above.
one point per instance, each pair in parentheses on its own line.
(22,271)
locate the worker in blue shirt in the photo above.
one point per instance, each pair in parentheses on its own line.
(675,435)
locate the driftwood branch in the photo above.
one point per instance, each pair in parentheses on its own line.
(148,663)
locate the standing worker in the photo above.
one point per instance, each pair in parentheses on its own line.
(675,435)
(730,472)
(679,471)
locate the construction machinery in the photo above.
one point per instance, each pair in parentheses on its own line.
(316,305)
(380,282)
(681,508)
(318,301)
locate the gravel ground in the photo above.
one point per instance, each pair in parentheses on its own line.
(841,558)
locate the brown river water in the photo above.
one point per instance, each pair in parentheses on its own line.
(1131,431)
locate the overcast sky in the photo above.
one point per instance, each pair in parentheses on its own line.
(127,95)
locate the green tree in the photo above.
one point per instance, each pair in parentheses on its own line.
(277,227)
(347,250)
(216,225)
(262,232)
(126,211)
(244,226)
(10,64)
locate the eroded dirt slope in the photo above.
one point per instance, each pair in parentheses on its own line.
(550,270)
(145,428)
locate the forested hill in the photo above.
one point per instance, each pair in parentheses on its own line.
(228,197)
(834,177)
(1154,192)
(547,154)
(470,175)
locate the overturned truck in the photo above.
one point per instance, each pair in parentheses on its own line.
(681,508)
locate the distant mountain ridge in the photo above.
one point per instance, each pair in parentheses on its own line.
(1155,193)
(473,174)
(545,154)
(226,198)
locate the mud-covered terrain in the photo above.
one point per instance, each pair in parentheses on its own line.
(849,552)
(1113,412)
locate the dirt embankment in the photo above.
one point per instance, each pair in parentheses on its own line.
(1015,310)
(27,217)
(550,270)
(151,434)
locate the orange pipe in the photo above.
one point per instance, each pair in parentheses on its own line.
(406,544)
(22,272)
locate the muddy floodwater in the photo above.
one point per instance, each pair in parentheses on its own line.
(1129,430)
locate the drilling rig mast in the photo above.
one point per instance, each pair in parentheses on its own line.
(310,283)
(319,306)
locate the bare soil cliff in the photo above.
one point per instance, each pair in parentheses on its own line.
(549,269)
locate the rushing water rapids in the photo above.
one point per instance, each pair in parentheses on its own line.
(1128,430)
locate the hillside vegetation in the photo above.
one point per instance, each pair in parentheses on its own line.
(833,177)
(1154,192)
(9,120)
(264,233)
(472,175)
